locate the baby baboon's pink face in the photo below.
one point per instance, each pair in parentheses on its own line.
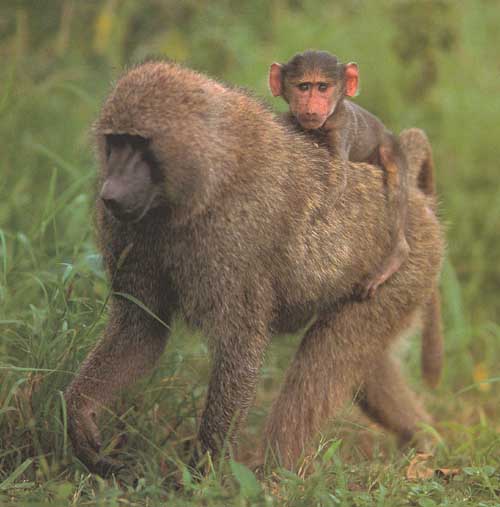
(313,94)
(313,99)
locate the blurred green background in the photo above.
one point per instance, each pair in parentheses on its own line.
(430,64)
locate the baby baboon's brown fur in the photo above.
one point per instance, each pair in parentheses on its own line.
(236,230)
(316,86)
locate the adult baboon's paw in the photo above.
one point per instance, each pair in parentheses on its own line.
(86,440)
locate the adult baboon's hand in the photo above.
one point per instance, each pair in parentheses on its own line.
(86,438)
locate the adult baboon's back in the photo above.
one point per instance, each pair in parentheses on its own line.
(246,229)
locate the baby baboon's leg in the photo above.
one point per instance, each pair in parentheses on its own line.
(396,168)
(388,400)
(328,368)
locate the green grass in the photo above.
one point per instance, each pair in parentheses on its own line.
(57,66)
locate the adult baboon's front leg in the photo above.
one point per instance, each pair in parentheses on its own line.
(132,342)
(235,371)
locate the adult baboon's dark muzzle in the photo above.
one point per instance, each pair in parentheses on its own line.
(128,191)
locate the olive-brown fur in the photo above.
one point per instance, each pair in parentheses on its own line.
(246,243)
(418,151)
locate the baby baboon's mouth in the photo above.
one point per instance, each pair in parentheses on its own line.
(311,122)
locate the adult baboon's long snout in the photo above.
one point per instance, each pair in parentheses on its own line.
(128,191)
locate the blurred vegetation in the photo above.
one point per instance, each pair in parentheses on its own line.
(427,63)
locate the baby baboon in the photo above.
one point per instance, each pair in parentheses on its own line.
(316,85)
(235,230)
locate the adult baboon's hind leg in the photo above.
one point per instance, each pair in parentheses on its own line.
(388,400)
(333,360)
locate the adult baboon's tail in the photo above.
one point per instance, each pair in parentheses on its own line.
(421,170)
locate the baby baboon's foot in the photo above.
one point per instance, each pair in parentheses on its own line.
(392,264)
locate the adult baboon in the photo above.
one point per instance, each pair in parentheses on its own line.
(213,209)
